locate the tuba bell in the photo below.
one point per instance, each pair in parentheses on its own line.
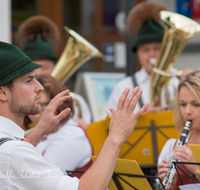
(77,51)
(178,30)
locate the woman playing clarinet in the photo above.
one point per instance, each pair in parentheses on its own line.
(186,108)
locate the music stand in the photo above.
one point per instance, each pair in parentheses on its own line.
(127,175)
(195,151)
(176,164)
(123,177)
(145,142)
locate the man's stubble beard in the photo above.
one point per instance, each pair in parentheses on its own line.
(31,108)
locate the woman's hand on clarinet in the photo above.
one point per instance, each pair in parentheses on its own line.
(163,169)
(184,154)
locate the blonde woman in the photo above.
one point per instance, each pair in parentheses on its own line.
(187,107)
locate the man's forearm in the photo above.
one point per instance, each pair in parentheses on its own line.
(99,174)
(122,123)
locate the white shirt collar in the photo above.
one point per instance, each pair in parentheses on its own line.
(11,128)
(142,75)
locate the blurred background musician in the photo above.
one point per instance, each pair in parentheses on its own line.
(68,146)
(186,107)
(38,37)
(144,23)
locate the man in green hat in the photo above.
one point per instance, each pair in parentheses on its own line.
(144,23)
(38,37)
(22,166)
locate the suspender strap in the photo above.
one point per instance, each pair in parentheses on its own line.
(136,84)
(3,140)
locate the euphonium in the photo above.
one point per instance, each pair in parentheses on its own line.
(167,180)
(178,30)
(77,51)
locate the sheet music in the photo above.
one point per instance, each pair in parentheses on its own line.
(190,186)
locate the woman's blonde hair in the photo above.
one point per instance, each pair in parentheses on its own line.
(192,82)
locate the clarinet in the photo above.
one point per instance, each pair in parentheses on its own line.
(167,180)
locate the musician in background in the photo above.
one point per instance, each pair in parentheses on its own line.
(38,37)
(143,21)
(67,146)
(186,107)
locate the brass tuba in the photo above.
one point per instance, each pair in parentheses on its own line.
(77,51)
(178,30)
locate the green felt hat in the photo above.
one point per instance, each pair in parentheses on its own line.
(13,63)
(39,48)
(151,31)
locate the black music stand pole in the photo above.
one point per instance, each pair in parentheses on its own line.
(176,164)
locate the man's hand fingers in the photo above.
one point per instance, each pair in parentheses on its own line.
(129,99)
(142,110)
(60,101)
(122,98)
(112,111)
(63,114)
(63,93)
(132,104)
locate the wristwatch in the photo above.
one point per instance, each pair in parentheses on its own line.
(198,176)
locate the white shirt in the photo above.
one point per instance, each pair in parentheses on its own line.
(85,110)
(23,167)
(144,83)
(167,150)
(68,148)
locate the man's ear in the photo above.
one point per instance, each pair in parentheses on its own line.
(3,94)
